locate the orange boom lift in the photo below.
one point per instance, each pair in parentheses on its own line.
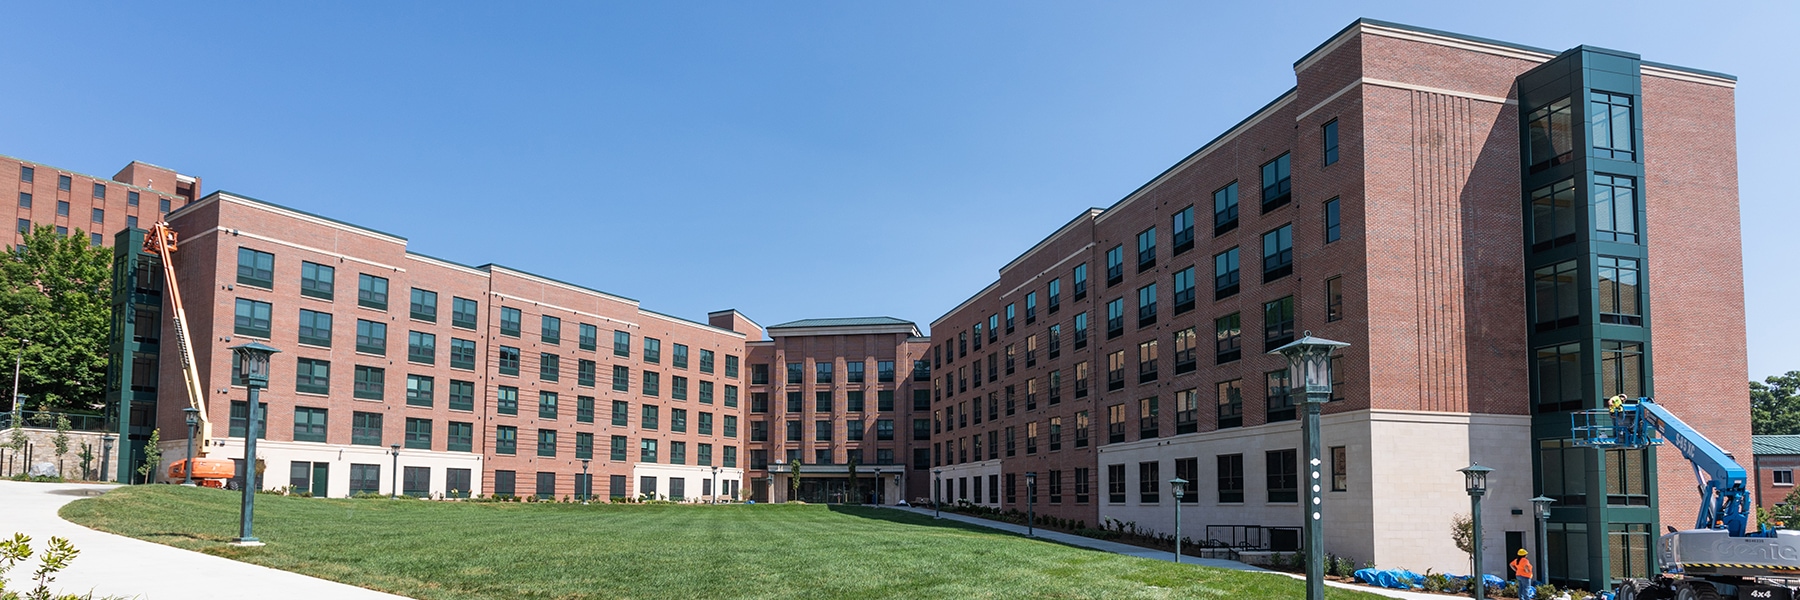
(210,472)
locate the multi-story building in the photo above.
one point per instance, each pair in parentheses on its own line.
(72,201)
(1777,457)
(483,380)
(836,397)
(1481,221)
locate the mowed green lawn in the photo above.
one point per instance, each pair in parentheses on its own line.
(465,550)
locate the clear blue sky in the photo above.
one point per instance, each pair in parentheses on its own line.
(791,159)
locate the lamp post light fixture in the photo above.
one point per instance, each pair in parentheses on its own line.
(937,483)
(1178,487)
(1542,504)
(714,492)
(193,423)
(771,487)
(1031,504)
(1309,373)
(1475,481)
(253,370)
(106,443)
(394,491)
(587,483)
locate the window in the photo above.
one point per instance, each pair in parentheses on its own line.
(706,423)
(822,372)
(1055,296)
(585,372)
(1115,423)
(1332,224)
(64,183)
(27,174)
(1283,476)
(621,344)
(1081,281)
(1185,354)
(1279,402)
(312,376)
(1278,253)
(1334,299)
(649,417)
(547,405)
(309,424)
(1225,274)
(510,321)
(1146,244)
(550,329)
(1609,119)
(1231,404)
(921,371)
(1627,473)
(584,445)
(853,371)
(549,367)
(62,210)
(1030,308)
(255,267)
(731,366)
(1229,334)
(1081,330)
(1147,361)
(619,448)
(977,335)
(1115,318)
(1550,129)
(1621,369)
(796,373)
(1115,371)
(462,313)
(731,396)
(1115,483)
(369,382)
(371,291)
(315,280)
(1149,482)
(371,337)
(1615,208)
(1081,379)
(679,359)
(1225,209)
(1278,323)
(418,433)
(462,395)
(678,420)
(1619,300)
(24,199)
(163,205)
(423,305)
(794,403)
(1329,134)
(652,384)
(546,445)
(315,328)
(1553,215)
(621,413)
(621,378)
(759,374)
(652,350)
(853,401)
(584,409)
(365,428)
(506,440)
(1147,305)
(419,390)
(509,360)
(1555,299)
(590,339)
(1275,183)
(507,400)
(1340,469)
(822,431)
(462,354)
(1184,290)
(460,437)
(252,318)
(1009,322)
(421,347)
(1148,426)
(240,419)
(24,226)
(365,479)
(1115,268)
(1782,476)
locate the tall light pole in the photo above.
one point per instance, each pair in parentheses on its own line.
(1178,487)
(587,483)
(1475,481)
(714,492)
(193,423)
(253,368)
(394,490)
(937,484)
(1309,370)
(771,486)
(1542,504)
(1031,504)
(106,442)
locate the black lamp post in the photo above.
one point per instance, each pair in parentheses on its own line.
(394,490)
(193,423)
(1475,481)
(1178,487)
(106,442)
(1031,504)
(714,492)
(1309,373)
(771,486)
(937,484)
(1542,504)
(253,369)
(587,483)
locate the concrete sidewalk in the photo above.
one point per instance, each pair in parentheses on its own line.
(113,565)
(1163,555)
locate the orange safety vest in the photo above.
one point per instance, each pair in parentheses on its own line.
(1522,567)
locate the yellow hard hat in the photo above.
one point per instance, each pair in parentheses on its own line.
(1521,552)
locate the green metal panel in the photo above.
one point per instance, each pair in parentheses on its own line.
(131,409)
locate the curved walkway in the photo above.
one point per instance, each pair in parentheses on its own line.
(114,565)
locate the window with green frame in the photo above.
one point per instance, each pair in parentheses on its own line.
(506,440)
(652,384)
(584,372)
(459,437)
(252,318)
(550,331)
(621,413)
(547,405)
(584,409)
(622,344)
(462,395)
(371,337)
(316,280)
(620,445)
(507,400)
(371,291)
(419,390)
(369,382)
(590,336)
(584,445)
(418,433)
(309,424)
(256,268)
(462,353)
(509,361)
(423,305)
(546,445)
(421,347)
(315,328)
(365,428)
(312,376)
(549,367)
(240,419)
(621,379)
(463,312)
(510,321)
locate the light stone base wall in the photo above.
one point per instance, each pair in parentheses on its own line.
(1403,487)
(694,476)
(951,473)
(41,448)
(278,457)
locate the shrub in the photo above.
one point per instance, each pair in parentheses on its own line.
(55,558)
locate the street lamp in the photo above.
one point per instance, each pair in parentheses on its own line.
(587,483)
(1542,504)
(714,492)
(394,490)
(1030,503)
(193,422)
(937,484)
(1309,369)
(253,369)
(106,442)
(1178,487)
(1475,481)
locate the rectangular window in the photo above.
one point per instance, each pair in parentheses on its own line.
(62,210)
(1115,423)
(1115,269)
(365,428)
(1115,483)
(1184,290)
(506,440)
(1149,482)
(731,396)
(312,376)
(1278,323)
(27,174)
(1615,208)
(1555,296)
(584,409)
(1279,402)
(621,378)
(1147,361)
(1550,129)
(423,305)
(1609,120)
(371,291)
(309,424)
(1329,134)
(462,354)
(1186,356)
(652,350)
(1332,224)
(365,479)
(1231,404)
(1146,244)
(507,400)
(679,357)
(1276,186)
(24,226)
(1283,476)
(1115,371)
(240,419)
(462,395)
(546,445)
(549,367)
(1783,476)
(254,268)
(508,362)
(678,420)
(315,328)
(419,390)
(511,321)
(369,382)
(1553,215)
(1225,274)
(1621,369)
(1147,305)
(621,344)
(619,447)
(550,329)
(1115,318)
(24,199)
(1278,253)
(1148,421)
(1231,478)
(1334,299)
(1081,281)
(649,417)
(584,445)
(460,437)
(64,183)
(252,318)
(418,434)
(421,347)
(463,312)
(1055,299)
(590,336)
(1225,209)
(1620,303)
(585,372)
(706,423)
(1030,308)
(371,337)
(1228,344)
(1340,469)
(731,366)
(547,408)
(853,371)
(621,413)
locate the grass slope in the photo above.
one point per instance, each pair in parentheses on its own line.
(466,550)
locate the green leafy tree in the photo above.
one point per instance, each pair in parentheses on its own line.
(794,481)
(55,304)
(1775,405)
(61,442)
(152,456)
(87,460)
(855,491)
(1462,532)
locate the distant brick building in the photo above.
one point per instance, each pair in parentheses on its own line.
(1777,457)
(45,195)
(1481,221)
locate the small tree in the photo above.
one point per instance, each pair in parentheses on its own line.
(152,456)
(17,441)
(855,492)
(61,442)
(87,460)
(1462,531)
(794,480)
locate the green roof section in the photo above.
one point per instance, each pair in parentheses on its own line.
(1775,444)
(845,322)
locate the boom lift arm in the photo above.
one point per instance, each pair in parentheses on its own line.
(161,241)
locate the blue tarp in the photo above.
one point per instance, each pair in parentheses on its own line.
(1399,579)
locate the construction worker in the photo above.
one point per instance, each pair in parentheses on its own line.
(1521,567)
(1622,425)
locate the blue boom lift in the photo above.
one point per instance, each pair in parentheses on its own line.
(1721,557)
